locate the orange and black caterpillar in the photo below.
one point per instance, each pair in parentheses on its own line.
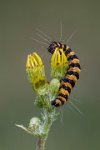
(71,75)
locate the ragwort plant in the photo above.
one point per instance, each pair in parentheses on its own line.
(45,93)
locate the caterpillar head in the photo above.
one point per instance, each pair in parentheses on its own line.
(52,46)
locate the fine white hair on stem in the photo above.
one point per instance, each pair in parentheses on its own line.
(60,31)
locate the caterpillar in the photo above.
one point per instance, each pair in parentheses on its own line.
(71,74)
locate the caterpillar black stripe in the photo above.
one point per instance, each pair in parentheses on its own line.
(71,75)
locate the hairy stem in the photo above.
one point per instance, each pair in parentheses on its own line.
(38,143)
(48,119)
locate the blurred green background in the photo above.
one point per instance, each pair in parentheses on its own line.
(18,23)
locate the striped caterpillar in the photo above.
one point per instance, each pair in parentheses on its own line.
(71,75)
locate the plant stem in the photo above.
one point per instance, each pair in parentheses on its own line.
(47,122)
(38,144)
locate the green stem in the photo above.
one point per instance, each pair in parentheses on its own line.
(49,118)
(40,143)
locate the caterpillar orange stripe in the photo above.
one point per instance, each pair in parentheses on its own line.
(71,75)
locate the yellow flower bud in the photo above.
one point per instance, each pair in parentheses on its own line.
(59,63)
(35,70)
